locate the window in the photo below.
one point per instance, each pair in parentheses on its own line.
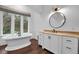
(25,24)
(13,23)
(17,23)
(6,23)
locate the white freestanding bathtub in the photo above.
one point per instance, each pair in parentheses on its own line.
(17,42)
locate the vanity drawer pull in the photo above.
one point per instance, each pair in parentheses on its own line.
(68,47)
(68,40)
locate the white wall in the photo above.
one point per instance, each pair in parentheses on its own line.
(72,18)
(35,23)
(40,20)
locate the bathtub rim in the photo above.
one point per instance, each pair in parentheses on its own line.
(18,47)
(17,37)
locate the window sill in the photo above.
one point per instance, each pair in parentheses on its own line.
(15,36)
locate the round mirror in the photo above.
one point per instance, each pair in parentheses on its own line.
(57,19)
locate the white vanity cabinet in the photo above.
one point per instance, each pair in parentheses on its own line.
(46,41)
(50,42)
(70,45)
(59,44)
(55,44)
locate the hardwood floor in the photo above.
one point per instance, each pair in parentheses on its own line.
(34,48)
(2,49)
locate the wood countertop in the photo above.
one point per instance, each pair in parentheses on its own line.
(61,33)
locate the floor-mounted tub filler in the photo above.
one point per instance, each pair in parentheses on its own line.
(15,42)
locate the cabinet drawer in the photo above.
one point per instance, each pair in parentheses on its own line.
(70,48)
(68,40)
(67,50)
(70,45)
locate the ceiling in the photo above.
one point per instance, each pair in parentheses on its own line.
(37,8)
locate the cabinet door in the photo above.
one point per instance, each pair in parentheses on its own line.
(41,38)
(70,45)
(47,41)
(55,43)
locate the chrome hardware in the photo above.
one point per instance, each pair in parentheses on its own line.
(49,37)
(19,33)
(68,47)
(68,40)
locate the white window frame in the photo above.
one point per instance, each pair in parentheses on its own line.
(21,25)
(12,24)
(28,25)
(1,23)
(20,22)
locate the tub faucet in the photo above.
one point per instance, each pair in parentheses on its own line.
(19,33)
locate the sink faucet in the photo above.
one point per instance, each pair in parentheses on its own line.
(54,31)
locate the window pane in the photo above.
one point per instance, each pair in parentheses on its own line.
(25,26)
(17,23)
(6,23)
